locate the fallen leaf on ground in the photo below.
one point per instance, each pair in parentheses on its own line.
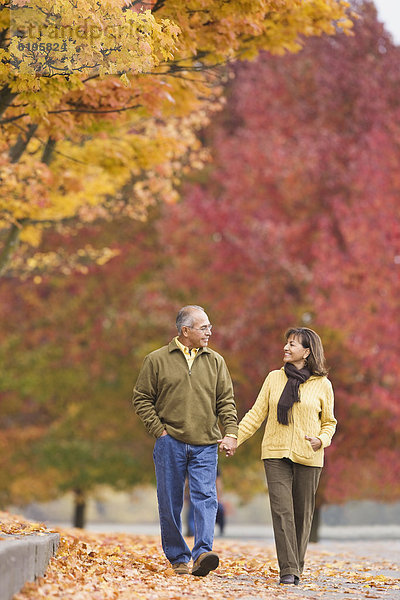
(119,566)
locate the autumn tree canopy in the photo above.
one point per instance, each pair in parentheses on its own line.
(296,221)
(68,369)
(100,102)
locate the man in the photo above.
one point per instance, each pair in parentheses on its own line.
(183,389)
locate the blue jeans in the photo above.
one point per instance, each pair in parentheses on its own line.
(174,461)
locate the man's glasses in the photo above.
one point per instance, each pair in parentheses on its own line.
(203,329)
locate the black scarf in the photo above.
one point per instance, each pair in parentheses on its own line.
(290,393)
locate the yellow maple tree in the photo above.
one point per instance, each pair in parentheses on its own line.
(100,102)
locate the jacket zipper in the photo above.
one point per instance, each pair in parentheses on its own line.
(190,368)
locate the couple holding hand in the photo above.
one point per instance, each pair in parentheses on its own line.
(184,390)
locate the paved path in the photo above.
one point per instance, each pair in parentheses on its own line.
(347,564)
(259,531)
(339,567)
(358,569)
(335,570)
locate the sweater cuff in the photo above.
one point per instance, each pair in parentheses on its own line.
(157,432)
(231,431)
(325,439)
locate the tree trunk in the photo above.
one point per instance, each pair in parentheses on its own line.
(314,535)
(9,247)
(48,151)
(20,145)
(79,509)
(6,98)
(15,154)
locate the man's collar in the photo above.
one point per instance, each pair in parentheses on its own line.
(185,349)
(173,345)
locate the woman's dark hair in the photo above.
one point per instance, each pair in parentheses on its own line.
(309,339)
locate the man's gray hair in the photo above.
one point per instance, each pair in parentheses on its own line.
(185,318)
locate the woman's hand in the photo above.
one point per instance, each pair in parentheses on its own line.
(228,445)
(315,442)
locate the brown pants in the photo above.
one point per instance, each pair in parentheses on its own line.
(292,489)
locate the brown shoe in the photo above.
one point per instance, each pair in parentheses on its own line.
(180,568)
(208,561)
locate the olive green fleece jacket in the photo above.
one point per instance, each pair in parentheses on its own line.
(312,416)
(187,403)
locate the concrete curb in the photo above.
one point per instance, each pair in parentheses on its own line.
(24,558)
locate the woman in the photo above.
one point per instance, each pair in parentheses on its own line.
(297,401)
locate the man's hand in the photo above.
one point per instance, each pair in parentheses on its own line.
(228,445)
(315,442)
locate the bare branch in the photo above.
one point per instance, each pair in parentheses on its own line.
(75,110)
(158,5)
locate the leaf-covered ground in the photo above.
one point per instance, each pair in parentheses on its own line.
(129,567)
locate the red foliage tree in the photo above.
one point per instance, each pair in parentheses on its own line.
(299,222)
(296,222)
(68,370)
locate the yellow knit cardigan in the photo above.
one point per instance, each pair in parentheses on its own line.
(312,416)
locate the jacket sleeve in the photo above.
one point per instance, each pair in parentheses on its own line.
(328,421)
(145,396)
(254,418)
(226,408)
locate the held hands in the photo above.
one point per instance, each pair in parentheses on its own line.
(228,445)
(315,442)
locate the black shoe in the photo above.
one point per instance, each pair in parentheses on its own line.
(288,579)
(296,580)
